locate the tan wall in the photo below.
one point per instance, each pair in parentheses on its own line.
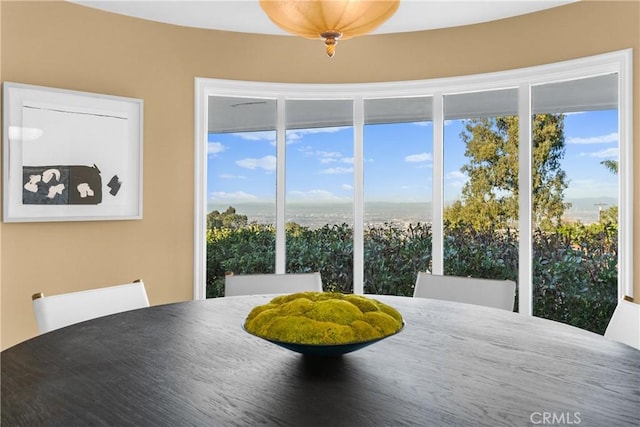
(64,45)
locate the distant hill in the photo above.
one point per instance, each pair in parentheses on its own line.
(586,210)
(314,215)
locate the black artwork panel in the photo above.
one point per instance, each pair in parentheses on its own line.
(61,185)
(45,185)
(85,185)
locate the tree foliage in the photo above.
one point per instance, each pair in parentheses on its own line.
(611,165)
(228,219)
(489,199)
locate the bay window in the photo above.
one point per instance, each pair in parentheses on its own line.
(486,176)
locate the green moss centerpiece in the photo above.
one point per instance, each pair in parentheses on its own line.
(323,322)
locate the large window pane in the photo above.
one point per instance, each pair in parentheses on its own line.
(241,188)
(398,169)
(319,190)
(575,245)
(481,184)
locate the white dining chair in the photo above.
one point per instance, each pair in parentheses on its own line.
(624,325)
(57,311)
(253,284)
(487,292)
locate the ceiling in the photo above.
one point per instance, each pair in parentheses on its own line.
(247,16)
(229,114)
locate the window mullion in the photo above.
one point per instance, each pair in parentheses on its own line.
(358,195)
(281,144)
(525,205)
(437,205)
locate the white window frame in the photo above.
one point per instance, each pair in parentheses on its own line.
(523,79)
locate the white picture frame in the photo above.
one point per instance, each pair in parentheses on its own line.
(70,155)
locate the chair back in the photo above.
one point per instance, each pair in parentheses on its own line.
(487,292)
(624,325)
(254,284)
(56,311)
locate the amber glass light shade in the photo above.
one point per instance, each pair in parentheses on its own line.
(329,20)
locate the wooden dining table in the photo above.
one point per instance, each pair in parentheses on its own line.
(191,364)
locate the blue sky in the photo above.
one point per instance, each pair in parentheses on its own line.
(398,162)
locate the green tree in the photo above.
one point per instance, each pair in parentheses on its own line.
(612,165)
(489,199)
(227,219)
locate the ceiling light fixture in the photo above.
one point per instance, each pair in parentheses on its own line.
(329,20)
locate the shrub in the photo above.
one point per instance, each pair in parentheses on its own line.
(246,250)
(576,276)
(574,267)
(393,256)
(328,249)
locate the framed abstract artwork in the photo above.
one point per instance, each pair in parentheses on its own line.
(70,156)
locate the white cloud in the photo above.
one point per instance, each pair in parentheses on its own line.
(327,161)
(238,196)
(298,134)
(336,171)
(267,163)
(214,148)
(418,158)
(607,153)
(347,187)
(324,156)
(292,136)
(601,139)
(422,123)
(229,176)
(314,196)
(257,136)
(455,180)
(317,130)
(455,175)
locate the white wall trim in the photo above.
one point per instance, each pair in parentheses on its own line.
(625,174)
(200,190)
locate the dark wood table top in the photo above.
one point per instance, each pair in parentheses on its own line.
(190,364)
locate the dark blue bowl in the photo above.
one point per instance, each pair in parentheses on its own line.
(324,349)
